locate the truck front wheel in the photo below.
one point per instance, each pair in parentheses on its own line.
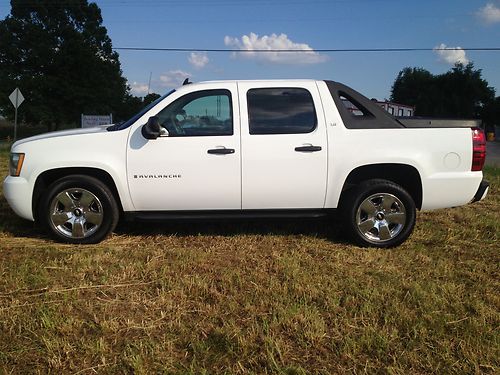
(79,209)
(378,213)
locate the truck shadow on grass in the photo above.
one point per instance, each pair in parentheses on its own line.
(318,228)
(12,225)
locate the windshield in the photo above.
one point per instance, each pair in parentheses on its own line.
(130,121)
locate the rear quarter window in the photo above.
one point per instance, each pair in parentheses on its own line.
(281,111)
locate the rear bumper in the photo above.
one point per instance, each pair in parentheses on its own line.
(482,191)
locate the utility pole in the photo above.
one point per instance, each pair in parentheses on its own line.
(149,84)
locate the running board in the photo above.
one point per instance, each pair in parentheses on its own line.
(227,214)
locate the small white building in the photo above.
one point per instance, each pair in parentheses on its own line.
(395,109)
(398,110)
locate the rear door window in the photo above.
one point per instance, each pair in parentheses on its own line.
(281,111)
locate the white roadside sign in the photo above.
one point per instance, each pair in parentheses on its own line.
(91,121)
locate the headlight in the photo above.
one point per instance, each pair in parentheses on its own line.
(16,163)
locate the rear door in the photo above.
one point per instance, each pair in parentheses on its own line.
(284,146)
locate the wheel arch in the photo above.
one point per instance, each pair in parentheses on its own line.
(46,178)
(404,175)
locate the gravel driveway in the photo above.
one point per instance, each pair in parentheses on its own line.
(493,153)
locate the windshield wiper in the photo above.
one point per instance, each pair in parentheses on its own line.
(114,126)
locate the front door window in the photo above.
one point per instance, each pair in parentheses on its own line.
(203,113)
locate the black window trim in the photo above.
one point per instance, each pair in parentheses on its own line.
(360,107)
(315,126)
(380,119)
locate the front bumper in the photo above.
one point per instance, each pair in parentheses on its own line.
(18,192)
(482,191)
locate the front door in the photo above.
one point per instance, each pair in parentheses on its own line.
(195,165)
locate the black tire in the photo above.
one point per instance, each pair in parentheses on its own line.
(378,213)
(79,209)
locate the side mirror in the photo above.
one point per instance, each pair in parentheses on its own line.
(152,128)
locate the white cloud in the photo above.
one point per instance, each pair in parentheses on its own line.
(274,42)
(138,89)
(490,13)
(198,60)
(173,78)
(451,55)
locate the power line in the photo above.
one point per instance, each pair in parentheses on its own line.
(167,3)
(319,50)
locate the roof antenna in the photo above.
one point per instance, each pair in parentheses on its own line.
(186,82)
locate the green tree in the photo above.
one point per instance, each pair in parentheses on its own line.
(464,92)
(133,104)
(130,106)
(491,113)
(415,87)
(458,93)
(149,98)
(60,56)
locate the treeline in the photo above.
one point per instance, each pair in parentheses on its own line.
(60,55)
(461,92)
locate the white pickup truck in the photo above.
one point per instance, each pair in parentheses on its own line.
(280,148)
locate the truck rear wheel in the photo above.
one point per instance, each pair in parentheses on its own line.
(79,209)
(378,213)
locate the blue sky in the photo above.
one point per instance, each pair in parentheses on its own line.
(317,24)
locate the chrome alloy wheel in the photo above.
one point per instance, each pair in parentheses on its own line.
(76,213)
(380,217)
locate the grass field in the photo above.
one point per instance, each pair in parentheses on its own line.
(253,298)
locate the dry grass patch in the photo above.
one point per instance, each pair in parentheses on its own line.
(291,298)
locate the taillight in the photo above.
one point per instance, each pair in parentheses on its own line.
(478,149)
